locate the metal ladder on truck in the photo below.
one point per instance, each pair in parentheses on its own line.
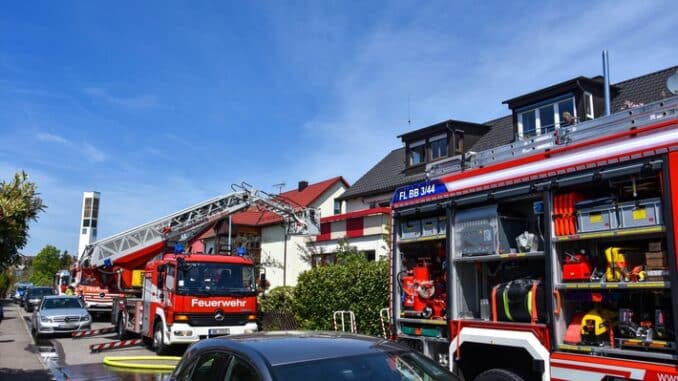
(620,122)
(183,224)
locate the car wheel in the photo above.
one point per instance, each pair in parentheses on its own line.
(498,375)
(35,334)
(158,340)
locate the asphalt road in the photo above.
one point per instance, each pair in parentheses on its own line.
(71,359)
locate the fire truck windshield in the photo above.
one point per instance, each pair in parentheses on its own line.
(216,279)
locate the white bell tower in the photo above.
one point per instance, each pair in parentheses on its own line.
(88,220)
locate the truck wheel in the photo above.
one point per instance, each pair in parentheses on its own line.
(498,375)
(158,344)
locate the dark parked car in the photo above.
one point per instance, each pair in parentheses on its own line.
(33,297)
(326,356)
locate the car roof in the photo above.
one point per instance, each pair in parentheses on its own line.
(278,348)
(61,297)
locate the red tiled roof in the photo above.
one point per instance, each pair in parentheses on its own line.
(256,217)
(359,213)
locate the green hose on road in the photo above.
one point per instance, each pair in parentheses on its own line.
(124,362)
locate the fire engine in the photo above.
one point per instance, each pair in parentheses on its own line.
(552,258)
(62,279)
(171,297)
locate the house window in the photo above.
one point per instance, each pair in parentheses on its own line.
(544,118)
(417,153)
(588,106)
(438,146)
(323,259)
(337,207)
(528,123)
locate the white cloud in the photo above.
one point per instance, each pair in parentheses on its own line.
(93,152)
(143,101)
(463,72)
(47,137)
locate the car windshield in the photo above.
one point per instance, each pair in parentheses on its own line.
(216,279)
(55,303)
(35,292)
(407,366)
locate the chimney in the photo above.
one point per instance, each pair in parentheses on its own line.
(302,185)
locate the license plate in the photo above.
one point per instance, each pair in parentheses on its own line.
(219,331)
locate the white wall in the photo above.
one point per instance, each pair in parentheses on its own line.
(273,243)
(366,243)
(326,202)
(362,203)
(273,247)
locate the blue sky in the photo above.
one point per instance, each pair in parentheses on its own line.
(159,105)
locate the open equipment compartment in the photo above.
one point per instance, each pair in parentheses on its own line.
(420,274)
(611,272)
(498,257)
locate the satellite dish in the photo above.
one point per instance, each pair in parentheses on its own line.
(672,83)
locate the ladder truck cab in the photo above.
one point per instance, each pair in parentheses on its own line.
(552,258)
(170,297)
(191,297)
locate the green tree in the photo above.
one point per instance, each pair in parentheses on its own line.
(7,280)
(65,261)
(19,204)
(45,265)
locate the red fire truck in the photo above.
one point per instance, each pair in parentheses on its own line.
(172,297)
(553,258)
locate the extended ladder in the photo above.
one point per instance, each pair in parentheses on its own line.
(182,224)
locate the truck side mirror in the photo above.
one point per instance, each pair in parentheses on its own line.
(161,280)
(263,283)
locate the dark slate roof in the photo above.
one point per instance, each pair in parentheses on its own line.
(383,177)
(388,174)
(640,90)
(501,133)
(644,89)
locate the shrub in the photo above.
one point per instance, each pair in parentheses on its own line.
(279,299)
(356,285)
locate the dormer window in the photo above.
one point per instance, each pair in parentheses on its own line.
(439,142)
(417,153)
(438,146)
(544,117)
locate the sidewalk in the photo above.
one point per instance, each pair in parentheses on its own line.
(19,360)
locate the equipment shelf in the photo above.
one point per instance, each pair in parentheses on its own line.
(500,257)
(429,338)
(612,233)
(607,351)
(423,239)
(614,285)
(423,321)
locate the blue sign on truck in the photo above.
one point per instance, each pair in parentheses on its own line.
(418,190)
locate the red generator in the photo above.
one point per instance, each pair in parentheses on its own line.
(577,267)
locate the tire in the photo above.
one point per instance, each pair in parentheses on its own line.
(498,375)
(35,334)
(158,344)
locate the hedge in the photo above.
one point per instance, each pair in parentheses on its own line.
(357,285)
(279,299)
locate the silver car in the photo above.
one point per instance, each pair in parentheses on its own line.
(60,313)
